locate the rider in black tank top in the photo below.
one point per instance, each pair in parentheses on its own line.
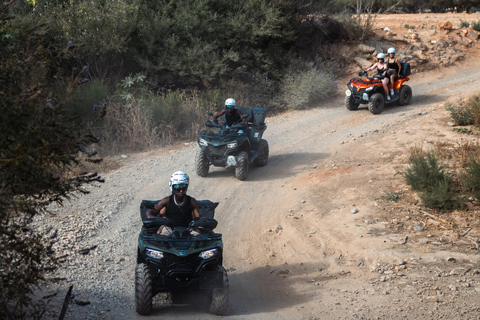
(179,215)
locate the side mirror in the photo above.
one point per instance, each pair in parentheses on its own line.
(210,113)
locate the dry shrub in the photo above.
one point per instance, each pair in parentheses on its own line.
(129,129)
(458,155)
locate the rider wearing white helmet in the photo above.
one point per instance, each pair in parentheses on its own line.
(232,114)
(394,68)
(178,207)
(382,68)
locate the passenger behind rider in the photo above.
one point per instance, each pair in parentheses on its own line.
(394,68)
(232,114)
(179,208)
(382,68)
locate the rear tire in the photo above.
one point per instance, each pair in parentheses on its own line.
(241,170)
(262,154)
(143,289)
(219,303)
(201,163)
(350,104)
(376,103)
(405,95)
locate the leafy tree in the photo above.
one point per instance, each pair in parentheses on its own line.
(38,146)
(198,43)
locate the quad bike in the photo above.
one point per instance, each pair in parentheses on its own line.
(181,263)
(238,145)
(370,91)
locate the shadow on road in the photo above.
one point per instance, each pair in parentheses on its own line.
(279,166)
(254,292)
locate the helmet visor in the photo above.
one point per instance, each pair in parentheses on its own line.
(180,187)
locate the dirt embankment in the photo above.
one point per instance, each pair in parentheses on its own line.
(327,230)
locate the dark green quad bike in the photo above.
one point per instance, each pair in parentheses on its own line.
(229,148)
(181,263)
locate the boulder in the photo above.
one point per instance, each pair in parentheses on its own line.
(445,25)
(365,49)
(473,34)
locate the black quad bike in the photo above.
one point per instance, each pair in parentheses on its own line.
(230,147)
(181,263)
(370,91)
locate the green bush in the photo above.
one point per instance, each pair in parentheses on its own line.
(461,115)
(471,178)
(423,171)
(84,101)
(430,179)
(39,144)
(464,24)
(476,25)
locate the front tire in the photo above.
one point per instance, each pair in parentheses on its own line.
(143,289)
(263,151)
(350,104)
(376,103)
(405,95)
(241,170)
(201,163)
(219,302)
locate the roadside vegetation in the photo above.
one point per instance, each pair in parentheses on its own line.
(447,176)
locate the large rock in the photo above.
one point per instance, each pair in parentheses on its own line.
(445,25)
(365,49)
(473,34)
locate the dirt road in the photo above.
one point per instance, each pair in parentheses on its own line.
(307,236)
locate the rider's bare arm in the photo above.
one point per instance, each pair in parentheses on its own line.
(158,208)
(218,114)
(196,210)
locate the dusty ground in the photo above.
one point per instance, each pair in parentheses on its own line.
(313,235)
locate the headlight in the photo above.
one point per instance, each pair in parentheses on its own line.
(348,93)
(232,145)
(208,254)
(369,89)
(202,142)
(155,254)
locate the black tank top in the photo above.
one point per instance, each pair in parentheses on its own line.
(393,65)
(180,216)
(231,118)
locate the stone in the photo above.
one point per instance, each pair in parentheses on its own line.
(473,34)
(366,49)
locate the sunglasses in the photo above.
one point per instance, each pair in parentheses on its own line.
(179,187)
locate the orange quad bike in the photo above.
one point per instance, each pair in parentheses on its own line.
(370,91)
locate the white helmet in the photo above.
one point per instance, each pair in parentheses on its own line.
(178,177)
(391,50)
(381,56)
(230,103)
